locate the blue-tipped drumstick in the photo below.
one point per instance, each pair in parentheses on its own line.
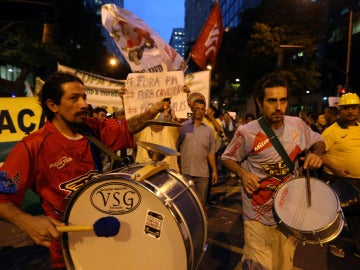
(103,227)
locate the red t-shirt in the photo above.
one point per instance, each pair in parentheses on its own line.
(55,167)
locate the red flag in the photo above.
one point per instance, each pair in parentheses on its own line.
(208,43)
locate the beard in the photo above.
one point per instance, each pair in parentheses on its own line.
(78,123)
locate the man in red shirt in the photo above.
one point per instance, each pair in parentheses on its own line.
(58,158)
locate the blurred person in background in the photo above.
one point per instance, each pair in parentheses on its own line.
(196,143)
(100,113)
(331,115)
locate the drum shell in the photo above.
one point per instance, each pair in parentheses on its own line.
(165,198)
(319,223)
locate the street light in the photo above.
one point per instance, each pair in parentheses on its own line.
(113,61)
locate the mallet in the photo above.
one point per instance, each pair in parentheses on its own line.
(103,227)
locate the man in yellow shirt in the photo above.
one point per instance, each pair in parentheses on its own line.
(341,165)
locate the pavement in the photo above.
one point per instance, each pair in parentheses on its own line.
(224,244)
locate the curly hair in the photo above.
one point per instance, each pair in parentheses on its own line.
(52,89)
(267,81)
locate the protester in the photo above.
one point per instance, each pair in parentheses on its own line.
(331,115)
(229,127)
(341,167)
(56,155)
(168,113)
(253,158)
(239,121)
(100,113)
(212,120)
(196,144)
(249,117)
(160,134)
(320,123)
(119,115)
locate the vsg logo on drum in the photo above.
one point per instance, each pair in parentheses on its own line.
(115,198)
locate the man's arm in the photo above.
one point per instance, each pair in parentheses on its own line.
(41,229)
(138,122)
(249,180)
(337,170)
(212,163)
(313,158)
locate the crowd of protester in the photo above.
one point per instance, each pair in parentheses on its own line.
(213,153)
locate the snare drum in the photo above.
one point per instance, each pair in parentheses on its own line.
(163,224)
(318,223)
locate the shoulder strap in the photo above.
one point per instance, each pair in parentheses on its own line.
(96,145)
(105,149)
(276,143)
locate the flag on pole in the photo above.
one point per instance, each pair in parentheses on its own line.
(143,49)
(208,43)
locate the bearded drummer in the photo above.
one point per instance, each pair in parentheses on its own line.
(58,158)
(252,156)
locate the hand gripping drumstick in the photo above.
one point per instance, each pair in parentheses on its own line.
(103,227)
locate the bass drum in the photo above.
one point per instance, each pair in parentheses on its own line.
(163,224)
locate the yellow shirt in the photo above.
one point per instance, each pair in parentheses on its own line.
(343,148)
(216,134)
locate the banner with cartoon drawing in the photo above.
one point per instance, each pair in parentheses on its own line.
(143,49)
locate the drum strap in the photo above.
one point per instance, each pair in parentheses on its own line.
(276,143)
(103,147)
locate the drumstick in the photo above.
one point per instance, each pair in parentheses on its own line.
(308,188)
(103,227)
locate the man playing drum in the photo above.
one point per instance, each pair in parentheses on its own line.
(252,157)
(58,158)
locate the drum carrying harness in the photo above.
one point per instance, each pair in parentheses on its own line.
(276,143)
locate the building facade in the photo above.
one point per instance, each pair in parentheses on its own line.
(177,40)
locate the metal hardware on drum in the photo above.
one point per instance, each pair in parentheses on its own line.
(163,123)
(157,152)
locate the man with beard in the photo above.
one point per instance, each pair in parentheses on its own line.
(58,155)
(341,167)
(252,157)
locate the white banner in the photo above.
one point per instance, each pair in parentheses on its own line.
(101,91)
(144,89)
(143,49)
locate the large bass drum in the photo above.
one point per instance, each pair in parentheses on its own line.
(163,224)
(317,223)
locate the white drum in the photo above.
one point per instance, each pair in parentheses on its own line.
(318,223)
(163,224)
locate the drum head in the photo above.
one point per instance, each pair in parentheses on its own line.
(149,236)
(291,206)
